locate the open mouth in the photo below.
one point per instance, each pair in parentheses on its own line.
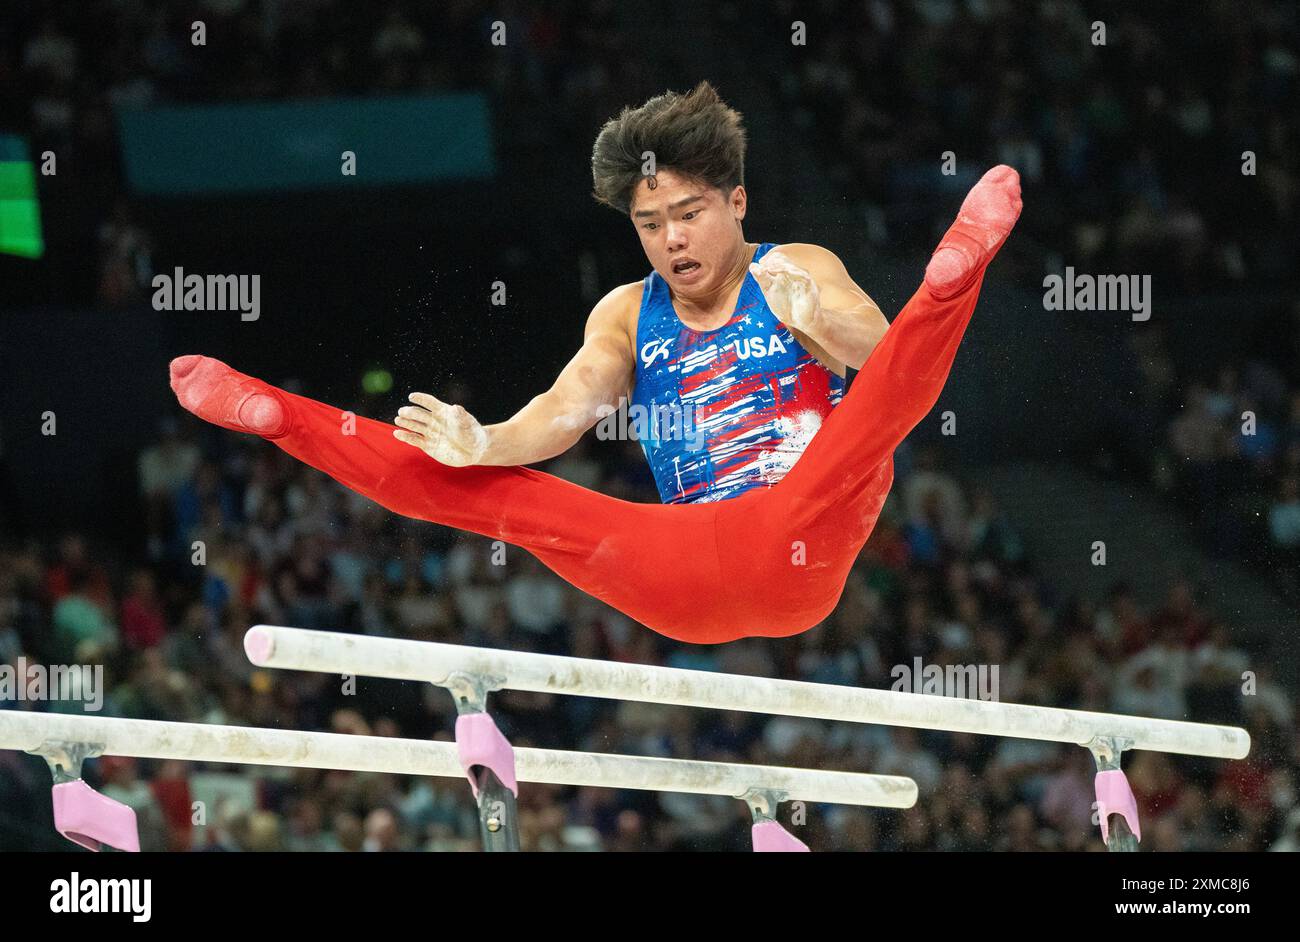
(685,266)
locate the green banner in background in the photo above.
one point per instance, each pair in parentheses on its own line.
(277,146)
(20,211)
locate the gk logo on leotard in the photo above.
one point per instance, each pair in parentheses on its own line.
(654,350)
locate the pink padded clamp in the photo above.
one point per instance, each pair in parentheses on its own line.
(1114,796)
(770,837)
(90,819)
(479,742)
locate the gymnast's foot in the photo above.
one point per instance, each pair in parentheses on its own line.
(984,221)
(222,396)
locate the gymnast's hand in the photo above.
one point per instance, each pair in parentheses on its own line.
(790,291)
(444,432)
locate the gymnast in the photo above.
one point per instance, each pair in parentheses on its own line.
(767,503)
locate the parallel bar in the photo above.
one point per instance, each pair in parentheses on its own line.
(361,655)
(199,742)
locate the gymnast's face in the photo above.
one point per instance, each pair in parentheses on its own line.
(690,232)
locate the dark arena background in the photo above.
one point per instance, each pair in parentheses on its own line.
(1103,509)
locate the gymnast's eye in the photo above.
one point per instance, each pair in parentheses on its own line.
(693,212)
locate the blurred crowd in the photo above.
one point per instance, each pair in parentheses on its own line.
(234,532)
(1223,444)
(1121,130)
(68,65)
(556,72)
(1128,123)
(1235,445)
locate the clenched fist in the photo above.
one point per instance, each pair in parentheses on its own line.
(442,431)
(790,291)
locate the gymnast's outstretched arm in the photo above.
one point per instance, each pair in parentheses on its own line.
(587,388)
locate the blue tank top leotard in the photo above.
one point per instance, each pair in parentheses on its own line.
(720,412)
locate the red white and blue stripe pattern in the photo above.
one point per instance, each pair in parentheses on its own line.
(752,395)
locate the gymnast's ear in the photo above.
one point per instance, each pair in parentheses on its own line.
(738,200)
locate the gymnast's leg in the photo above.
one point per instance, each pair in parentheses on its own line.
(627,554)
(363,455)
(818,517)
(902,379)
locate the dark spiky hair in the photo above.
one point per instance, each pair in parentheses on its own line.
(696,135)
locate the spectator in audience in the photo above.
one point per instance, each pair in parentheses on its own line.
(83,631)
(144,624)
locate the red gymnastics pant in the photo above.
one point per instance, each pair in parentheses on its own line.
(770,562)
